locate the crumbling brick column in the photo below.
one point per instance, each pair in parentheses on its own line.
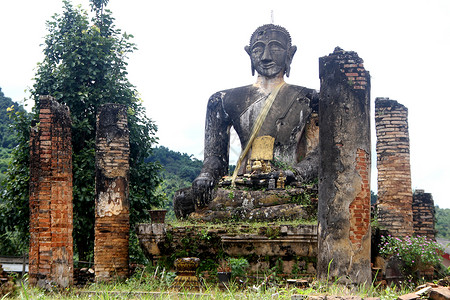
(423,214)
(394,205)
(51,212)
(344,171)
(111,202)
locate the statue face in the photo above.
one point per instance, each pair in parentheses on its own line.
(268,53)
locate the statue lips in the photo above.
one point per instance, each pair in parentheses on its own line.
(270,69)
(268,65)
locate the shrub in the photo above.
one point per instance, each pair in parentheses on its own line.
(417,253)
(238,266)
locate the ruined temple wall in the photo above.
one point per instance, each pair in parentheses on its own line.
(51,214)
(344,171)
(292,248)
(423,214)
(394,172)
(112,190)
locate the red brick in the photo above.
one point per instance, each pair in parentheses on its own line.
(45,157)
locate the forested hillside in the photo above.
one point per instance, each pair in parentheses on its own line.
(179,170)
(7,138)
(443,222)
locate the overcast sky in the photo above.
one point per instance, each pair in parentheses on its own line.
(190,49)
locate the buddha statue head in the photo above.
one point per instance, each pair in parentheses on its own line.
(271,51)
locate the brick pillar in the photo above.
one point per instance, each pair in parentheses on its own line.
(111,202)
(51,215)
(344,171)
(423,214)
(394,203)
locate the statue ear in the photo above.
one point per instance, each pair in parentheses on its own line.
(289,58)
(292,51)
(247,49)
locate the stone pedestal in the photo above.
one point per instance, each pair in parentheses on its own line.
(344,171)
(112,224)
(292,247)
(51,215)
(186,274)
(151,236)
(259,205)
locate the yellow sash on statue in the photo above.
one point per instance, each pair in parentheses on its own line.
(256,127)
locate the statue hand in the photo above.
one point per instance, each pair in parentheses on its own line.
(204,180)
(308,168)
(202,187)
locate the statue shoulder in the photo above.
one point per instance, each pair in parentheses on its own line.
(238,91)
(230,93)
(307,92)
(233,96)
(303,92)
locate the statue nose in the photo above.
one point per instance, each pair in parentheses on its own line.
(266,56)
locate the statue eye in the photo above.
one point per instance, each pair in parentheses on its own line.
(257,50)
(276,49)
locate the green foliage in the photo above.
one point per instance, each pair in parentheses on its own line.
(85,67)
(278,164)
(182,165)
(239,266)
(7,138)
(442,216)
(373,198)
(5,155)
(14,212)
(302,199)
(178,171)
(13,243)
(7,134)
(417,253)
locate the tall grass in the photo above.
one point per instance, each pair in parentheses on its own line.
(156,284)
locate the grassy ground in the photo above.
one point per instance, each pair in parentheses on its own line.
(157,285)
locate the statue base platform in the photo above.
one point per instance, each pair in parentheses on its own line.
(241,203)
(289,247)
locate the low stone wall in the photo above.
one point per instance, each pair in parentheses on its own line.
(291,249)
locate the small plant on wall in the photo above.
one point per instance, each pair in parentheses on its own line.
(224,266)
(239,267)
(224,271)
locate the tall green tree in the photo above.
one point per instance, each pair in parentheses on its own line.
(85,67)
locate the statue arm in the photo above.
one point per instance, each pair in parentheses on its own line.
(308,168)
(216,156)
(217,138)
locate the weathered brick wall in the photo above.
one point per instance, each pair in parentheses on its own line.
(359,208)
(393,162)
(51,216)
(344,171)
(111,203)
(423,214)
